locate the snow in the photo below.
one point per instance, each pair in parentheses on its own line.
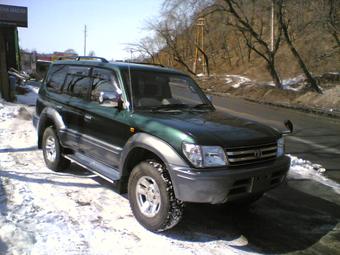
(235,80)
(295,84)
(8,112)
(74,212)
(302,169)
(29,98)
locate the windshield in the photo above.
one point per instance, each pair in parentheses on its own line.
(165,91)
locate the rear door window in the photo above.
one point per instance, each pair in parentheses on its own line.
(78,81)
(56,78)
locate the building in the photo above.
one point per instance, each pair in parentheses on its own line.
(11,17)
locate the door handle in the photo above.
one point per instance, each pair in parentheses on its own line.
(87,117)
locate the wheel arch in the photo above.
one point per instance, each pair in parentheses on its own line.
(144,146)
(48,117)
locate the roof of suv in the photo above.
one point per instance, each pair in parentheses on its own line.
(120,65)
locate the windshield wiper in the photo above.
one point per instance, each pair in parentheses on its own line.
(167,107)
(202,106)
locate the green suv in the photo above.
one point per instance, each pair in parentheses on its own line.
(152,132)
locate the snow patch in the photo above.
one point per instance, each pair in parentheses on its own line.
(295,84)
(301,169)
(8,112)
(235,80)
(30,98)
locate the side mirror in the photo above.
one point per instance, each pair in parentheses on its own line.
(111,99)
(289,126)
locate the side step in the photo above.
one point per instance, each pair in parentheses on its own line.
(108,173)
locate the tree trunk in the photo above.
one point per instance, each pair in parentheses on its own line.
(311,80)
(274,74)
(240,49)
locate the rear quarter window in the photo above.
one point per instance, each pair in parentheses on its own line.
(56,77)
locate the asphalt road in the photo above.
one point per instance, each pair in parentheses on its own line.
(315,138)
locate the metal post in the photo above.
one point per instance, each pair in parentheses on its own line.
(85,35)
(199,43)
(272,28)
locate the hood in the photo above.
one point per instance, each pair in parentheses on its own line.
(205,128)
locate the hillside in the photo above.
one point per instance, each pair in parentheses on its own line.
(313,26)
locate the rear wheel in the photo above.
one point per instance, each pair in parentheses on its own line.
(52,151)
(152,198)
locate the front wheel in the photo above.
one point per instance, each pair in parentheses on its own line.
(152,198)
(52,151)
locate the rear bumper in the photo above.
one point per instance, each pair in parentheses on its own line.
(221,185)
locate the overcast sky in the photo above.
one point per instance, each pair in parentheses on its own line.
(57,25)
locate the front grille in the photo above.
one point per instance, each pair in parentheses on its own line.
(251,154)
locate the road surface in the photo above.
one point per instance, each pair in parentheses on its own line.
(315,138)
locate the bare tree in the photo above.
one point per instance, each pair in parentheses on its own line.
(253,32)
(175,35)
(332,20)
(176,30)
(284,24)
(147,48)
(173,43)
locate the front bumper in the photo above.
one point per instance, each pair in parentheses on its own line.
(221,185)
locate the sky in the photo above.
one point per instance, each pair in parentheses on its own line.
(58,25)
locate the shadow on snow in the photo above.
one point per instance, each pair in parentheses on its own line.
(284,220)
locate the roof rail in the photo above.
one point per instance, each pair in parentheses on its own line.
(78,58)
(141,63)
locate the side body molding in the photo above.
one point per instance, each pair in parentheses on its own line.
(157,146)
(49,114)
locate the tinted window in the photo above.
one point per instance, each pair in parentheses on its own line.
(151,89)
(103,81)
(77,81)
(56,77)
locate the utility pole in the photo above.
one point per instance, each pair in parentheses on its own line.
(85,35)
(272,27)
(199,43)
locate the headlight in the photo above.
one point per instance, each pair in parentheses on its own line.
(280,147)
(204,156)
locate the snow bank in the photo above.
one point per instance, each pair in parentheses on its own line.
(302,169)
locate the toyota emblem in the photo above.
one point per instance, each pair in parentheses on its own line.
(258,154)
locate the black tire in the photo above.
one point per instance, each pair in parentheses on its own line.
(170,209)
(57,162)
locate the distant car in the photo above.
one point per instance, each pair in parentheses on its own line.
(154,133)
